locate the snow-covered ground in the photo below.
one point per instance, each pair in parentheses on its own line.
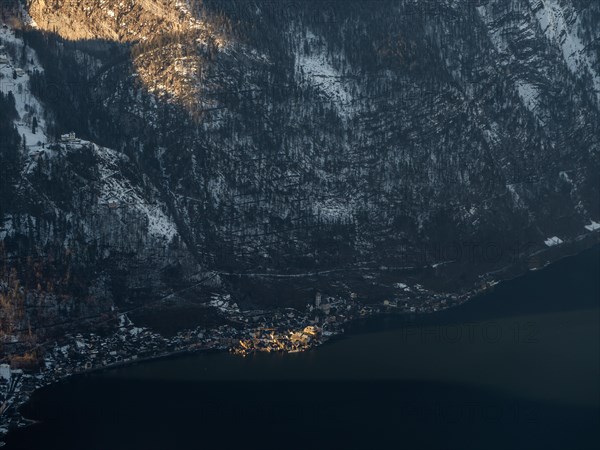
(515,195)
(552,19)
(117,192)
(27,19)
(320,73)
(26,104)
(498,40)
(559,25)
(529,95)
(528,92)
(6,228)
(333,210)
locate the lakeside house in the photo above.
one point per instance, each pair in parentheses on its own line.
(552,241)
(594,226)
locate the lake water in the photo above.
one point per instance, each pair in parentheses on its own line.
(516,368)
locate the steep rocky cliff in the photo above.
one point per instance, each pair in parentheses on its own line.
(368,141)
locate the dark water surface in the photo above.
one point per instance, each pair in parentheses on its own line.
(518,368)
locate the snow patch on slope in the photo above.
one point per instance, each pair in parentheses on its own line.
(27,19)
(6,228)
(552,19)
(320,73)
(26,104)
(333,211)
(117,193)
(495,34)
(515,196)
(529,95)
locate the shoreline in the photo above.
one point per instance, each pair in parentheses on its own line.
(27,384)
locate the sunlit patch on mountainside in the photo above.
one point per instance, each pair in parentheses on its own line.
(169,44)
(118,20)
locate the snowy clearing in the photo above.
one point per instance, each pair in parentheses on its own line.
(320,73)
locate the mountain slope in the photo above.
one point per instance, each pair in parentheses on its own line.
(371,142)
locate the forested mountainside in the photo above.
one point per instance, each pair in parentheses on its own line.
(243,146)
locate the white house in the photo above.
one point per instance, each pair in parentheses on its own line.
(594,226)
